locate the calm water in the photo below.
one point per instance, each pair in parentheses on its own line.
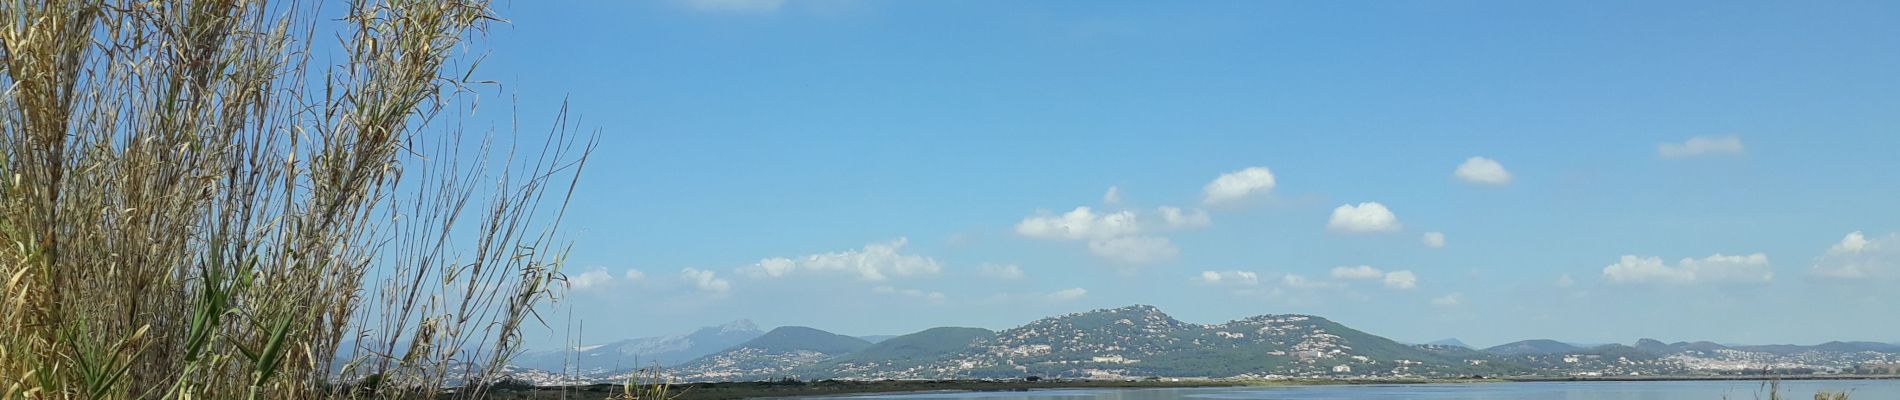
(1863,390)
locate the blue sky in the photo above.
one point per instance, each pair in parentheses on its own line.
(881,167)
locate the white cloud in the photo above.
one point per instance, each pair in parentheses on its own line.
(1363,218)
(1701,146)
(1712,269)
(1401,280)
(1007,272)
(740,6)
(599,277)
(1228,277)
(1482,170)
(1238,185)
(1565,281)
(1116,236)
(1394,279)
(1433,239)
(1359,272)
(705,280)
(1068,294)
(1301,282)
(1177,218)
(773,267)
(874,262)
(1854,242)
(1081,223)
(1122,236)
(933,297)
(1449,300)
(1134,250)
(1857,257)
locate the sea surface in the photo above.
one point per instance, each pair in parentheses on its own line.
(1686,390)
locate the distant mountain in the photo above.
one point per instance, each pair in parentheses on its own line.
(1534,346)
(1654,346)
(781,352)
(876,338)
(1143,341)
(1657,347)
(642,352)
(797,338)
(930,345)
(1856,347)
(1701,347)
(1840,347)
(1618,351)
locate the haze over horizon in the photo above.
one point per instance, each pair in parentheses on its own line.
(1482,170)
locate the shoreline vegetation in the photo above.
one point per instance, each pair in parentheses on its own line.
(795,389)
(255,200)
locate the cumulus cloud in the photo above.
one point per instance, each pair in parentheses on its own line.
(1449,300)
(1482,171)
(737,6)
(1005,272)
(1301,282)
(1359,272)
(1119,236)
(933,297)
(1177,218)
(598,277)
(1239,185)
(1701,146)
(1394,279)
(1433,239)
(1068,294)
(1081,223)
(1134,249)
(1367,217)
(1113,197)
(874,262)
(773,267)
(1401,280)
(1228,278)
(1565,281)
(1858,257)
(706,280)
(1712,269)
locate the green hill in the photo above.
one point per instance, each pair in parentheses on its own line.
(1534,346)
(791,338)
(783,352)
(929,345)
(1143,341)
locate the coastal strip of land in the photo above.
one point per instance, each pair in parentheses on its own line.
(1657,378)
(750,390)
(783,389)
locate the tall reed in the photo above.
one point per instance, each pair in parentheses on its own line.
(190,207)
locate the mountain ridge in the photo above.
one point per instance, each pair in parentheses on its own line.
(1142,341)
(665,351)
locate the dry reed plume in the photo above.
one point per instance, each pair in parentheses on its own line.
(193,208)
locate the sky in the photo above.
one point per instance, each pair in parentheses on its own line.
(1490,171)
